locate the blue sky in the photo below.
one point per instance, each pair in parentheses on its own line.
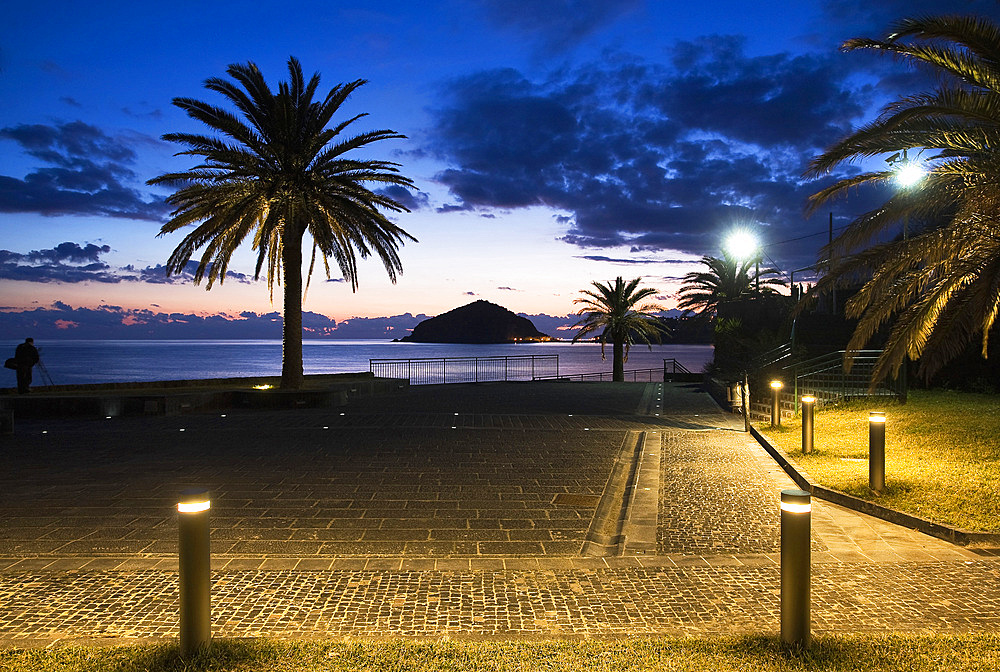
(553,143)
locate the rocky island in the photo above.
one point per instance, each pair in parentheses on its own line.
(478,322)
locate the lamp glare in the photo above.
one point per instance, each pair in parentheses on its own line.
(741,245)
(909,174)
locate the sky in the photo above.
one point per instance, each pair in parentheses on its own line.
(553,143)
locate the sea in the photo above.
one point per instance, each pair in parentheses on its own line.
(77,362)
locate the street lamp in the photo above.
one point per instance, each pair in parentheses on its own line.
(742,245)
(907,174)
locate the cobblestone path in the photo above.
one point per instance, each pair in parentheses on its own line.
(459,509)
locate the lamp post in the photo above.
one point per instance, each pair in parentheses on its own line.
(195,559)
(808,406)
(776,386)
(876,451)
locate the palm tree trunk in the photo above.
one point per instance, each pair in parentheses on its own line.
(291,330)
(618,356)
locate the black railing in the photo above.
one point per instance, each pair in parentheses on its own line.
(438,370)
(672,367)
(633,375)
(826,378)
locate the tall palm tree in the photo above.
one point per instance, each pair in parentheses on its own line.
(726,280)
(616,310)
(939,286)
(273,173)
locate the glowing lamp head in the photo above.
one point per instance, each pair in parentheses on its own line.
(909,174)
(194,501)
(808,399)
(263,387)
(741,245)
(796,501)
(776,384)
(876,416)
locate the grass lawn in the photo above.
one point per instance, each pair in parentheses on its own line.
(887,653)
(942,454)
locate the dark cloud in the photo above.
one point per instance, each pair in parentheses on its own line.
(69,100)
(856,18)
(61,320)
(408,199)
(648,155)
(87,172)
(156,113)
(72,262)
(557,24)
(509,289)
(620,260)
(157,275)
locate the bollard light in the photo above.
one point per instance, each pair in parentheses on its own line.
(808,407)
(876,451)
(796,523)
(776,386)
(195,559)
(744,396)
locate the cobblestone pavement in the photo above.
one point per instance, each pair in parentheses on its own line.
(455,509)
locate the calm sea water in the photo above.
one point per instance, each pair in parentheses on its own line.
(71,362)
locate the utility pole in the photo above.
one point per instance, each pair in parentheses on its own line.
(833,302)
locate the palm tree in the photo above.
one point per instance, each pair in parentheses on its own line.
(616,311)
(273,173)
(726,280)
(938,286)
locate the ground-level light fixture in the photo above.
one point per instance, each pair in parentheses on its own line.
(776,386)
(876,451)
(808,409)
(796,523)
(195,560)
(263,387)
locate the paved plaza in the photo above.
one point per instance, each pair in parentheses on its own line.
(502,509)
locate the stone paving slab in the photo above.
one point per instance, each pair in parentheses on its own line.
(280,491)
(435,512)
(693,600)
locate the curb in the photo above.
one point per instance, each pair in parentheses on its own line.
(951,534)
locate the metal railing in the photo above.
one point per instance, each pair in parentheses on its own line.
(773,356)
(438,370)
(825,378)
(634,375)
(670,367)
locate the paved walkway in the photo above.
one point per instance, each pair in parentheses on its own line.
(499,509)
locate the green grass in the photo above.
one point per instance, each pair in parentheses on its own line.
(942,455)
(888,653)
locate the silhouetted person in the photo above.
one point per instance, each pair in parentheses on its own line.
(26,356)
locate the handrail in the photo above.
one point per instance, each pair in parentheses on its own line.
(634,374)
(772,356)
(677,367)
(437,370)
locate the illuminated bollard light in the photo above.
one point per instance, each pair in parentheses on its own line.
(195,570)
(876,451)
(744,397)
(776,386)
(796,516)
(808,408)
